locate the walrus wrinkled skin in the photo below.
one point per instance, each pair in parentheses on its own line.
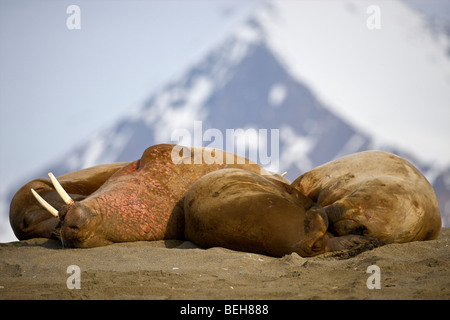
(241,210)
(374,194)
(139,200)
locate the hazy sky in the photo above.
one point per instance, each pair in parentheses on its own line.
(58,86)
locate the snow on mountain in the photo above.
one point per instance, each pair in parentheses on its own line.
(392,73)
(299,76)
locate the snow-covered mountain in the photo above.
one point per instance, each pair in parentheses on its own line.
(275,74)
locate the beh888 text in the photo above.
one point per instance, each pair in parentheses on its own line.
(246,309)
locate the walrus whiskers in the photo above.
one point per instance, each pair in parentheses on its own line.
(44,203)
(62,193)
(62,241)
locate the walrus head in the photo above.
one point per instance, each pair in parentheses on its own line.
(115,212)
(79,224)
(30,219)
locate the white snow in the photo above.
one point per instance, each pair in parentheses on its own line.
(393,83)
(93,151)
(352,145)
(277,94)
(178,108)
(296,149)
(248,33)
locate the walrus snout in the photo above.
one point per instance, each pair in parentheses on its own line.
(78,226)
(73,217)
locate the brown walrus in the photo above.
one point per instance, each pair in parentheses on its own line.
(241,210)
(375,194)
(140,200)
(30,220)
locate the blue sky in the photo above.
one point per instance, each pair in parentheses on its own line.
(59,86)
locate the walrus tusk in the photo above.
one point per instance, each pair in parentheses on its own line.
(62,193)
(283,174)
(44,203)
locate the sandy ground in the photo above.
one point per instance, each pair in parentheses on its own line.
(37,269)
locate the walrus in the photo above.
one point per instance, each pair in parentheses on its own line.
(29,219)
(373,194)
(241,210)
(138,200)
